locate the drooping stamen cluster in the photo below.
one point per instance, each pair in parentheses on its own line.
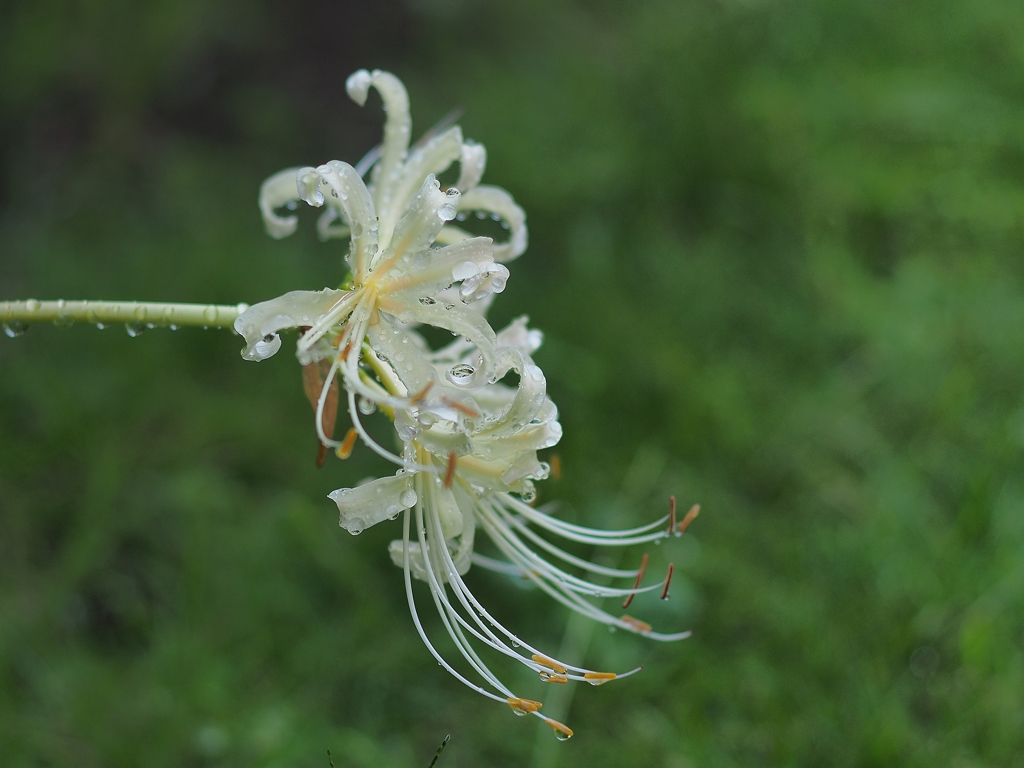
(469,442)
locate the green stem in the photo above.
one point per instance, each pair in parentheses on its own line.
(16,314)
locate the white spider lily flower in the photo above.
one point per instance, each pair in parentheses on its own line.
(398,275)
(443,513)
(483,476)
(469,442)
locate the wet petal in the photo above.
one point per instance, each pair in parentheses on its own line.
(530,395)
(498,202)
(353,199)
(519,335)
(328,229)
(434,157)
(431,271)
(259,324)
(473,159)
(462,321)
(415,233)
(277,191)
(397,128)
(405,356)
(374,502)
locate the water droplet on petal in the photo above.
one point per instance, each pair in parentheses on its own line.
(462,371)
(408,498)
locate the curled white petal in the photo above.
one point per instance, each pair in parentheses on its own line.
(434,157)
(473,160)
(350,195)
(374,502)
(498,202)
(259,324)
(397,129)
(275,192)
(518,334)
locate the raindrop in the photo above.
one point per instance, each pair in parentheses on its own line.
(100,326)
(14,328)
(427,301)
(460,216)
(562,735)
(408,498)
(462,371)
(495,217)
(173,327)
(134,329)
(366,406)
(32,305)
(481,214)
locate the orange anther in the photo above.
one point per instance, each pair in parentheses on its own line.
(636,624)
(556,467)
(562,732)
(524,706)
(690,516)
(547,677)
(599,678)
(345,449)
(668,580)
(461,408)
(639,576)
(421,394)
(449,473)
(549,663)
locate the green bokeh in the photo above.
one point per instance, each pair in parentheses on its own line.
(776,250)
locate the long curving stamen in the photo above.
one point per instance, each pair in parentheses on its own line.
(571,599)
(639,576)
(564,528)
(445,609)
(485,621)
(568,580)
(668,580)
(419,627)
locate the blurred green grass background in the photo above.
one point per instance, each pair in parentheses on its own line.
(776,250)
